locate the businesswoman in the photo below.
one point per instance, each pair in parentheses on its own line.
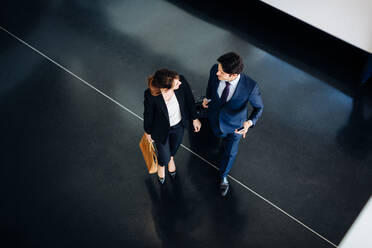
(169,107)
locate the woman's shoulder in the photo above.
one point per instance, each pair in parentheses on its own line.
(147,94)
(183,80)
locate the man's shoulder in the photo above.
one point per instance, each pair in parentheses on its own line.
(248,80)
(213,73)
(214,68)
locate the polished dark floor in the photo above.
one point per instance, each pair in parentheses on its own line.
(71,170)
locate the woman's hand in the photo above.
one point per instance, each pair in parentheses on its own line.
(197,125)
(148,136)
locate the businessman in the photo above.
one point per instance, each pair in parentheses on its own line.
(228,93)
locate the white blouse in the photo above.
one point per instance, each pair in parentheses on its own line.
(174,111)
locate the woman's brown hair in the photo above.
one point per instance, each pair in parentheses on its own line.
(162,79)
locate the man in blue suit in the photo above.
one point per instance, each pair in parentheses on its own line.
(228,92)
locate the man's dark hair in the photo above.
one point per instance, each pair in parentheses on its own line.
(231,63)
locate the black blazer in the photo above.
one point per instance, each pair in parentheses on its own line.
(156,117)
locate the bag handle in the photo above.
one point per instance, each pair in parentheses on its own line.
(154,154)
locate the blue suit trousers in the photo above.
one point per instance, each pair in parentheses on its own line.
(230,145)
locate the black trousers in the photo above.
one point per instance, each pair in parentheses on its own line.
(173,142)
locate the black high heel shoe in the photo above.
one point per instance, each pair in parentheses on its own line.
(173,174)
(161,180)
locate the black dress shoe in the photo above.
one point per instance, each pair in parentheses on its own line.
(224,186)
(173,174)
(161,179)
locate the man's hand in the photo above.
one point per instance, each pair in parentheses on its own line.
(205,102)
(148,136)
(197,125)
(247,125)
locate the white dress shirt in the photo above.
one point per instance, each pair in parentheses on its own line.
(232,88)
(174,111)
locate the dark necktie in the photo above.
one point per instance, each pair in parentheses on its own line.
(225,93)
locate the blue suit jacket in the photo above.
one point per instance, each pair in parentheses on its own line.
(224,119)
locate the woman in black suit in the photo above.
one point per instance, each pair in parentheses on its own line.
(169,107)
